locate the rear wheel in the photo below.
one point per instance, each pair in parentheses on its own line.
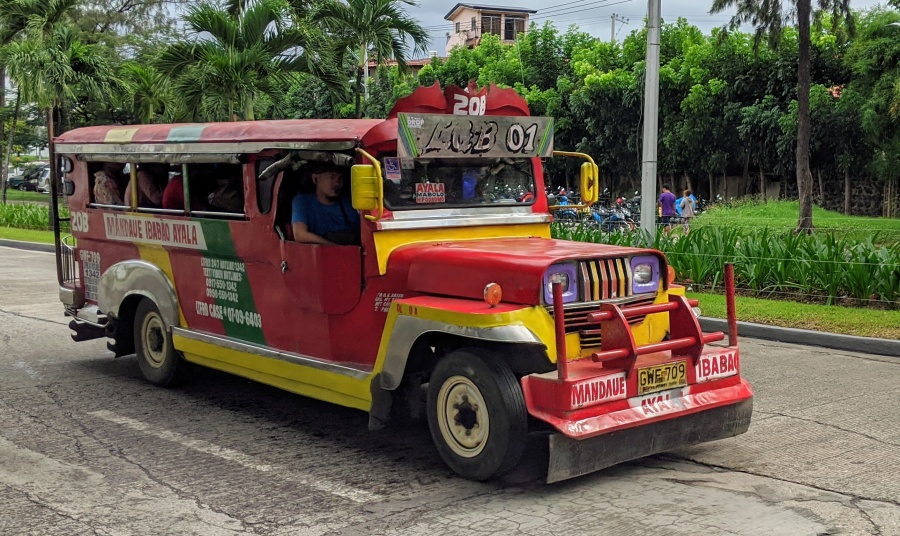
(159,361)
(477,414)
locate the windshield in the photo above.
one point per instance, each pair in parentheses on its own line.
(423,183)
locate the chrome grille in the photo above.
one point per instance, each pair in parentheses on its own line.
(576,319)
(605,279)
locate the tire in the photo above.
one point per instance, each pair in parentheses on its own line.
(477,414)
(159,362)
(23,188)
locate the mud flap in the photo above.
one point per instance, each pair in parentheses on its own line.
(82,331)
(573,457)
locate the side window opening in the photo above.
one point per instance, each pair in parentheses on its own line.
(296,179)
(107,182)
(217,189)
(266,176)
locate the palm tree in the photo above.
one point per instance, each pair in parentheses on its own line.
(379,26)
(17,17)
(769,18)
(53,69)
(148,91)
(238,53)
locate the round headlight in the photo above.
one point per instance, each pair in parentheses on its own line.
(643,273)
(561,278)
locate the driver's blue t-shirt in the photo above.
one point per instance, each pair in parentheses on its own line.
(321,219)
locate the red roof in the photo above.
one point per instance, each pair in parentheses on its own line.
(286,130)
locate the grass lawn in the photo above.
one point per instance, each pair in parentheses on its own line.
(830,318)
(27,235)
(16,195)
(783,215)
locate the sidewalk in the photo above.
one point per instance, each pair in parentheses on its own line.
(834,341)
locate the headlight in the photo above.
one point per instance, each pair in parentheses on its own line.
(567,276)
(644,274)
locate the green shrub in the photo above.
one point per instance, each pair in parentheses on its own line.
(30,216)
(824,265)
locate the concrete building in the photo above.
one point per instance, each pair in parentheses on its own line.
(471,21)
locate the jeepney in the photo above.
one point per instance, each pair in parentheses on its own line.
(456,297)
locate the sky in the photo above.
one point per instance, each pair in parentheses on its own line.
(592,16)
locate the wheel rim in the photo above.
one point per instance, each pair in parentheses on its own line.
(153,336)
(463,417)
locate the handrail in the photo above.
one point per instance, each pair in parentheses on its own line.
(379,185)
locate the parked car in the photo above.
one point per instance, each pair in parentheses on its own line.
(23,183)
(43,180)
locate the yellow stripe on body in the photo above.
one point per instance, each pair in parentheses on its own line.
(535,318)
(620,273)
(120,135)
(307,381)
(598,281)
(387,241)
(159,257)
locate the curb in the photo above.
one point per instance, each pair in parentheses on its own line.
(835,341)
(30,246)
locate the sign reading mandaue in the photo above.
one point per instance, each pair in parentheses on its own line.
(442,136)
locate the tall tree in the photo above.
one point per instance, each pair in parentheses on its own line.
(381,27)
(240,52)
(769,18)
(36,18)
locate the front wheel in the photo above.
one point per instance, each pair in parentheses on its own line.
(160,364)
(477,414)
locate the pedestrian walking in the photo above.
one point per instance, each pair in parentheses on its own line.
(666,204)
(687,210)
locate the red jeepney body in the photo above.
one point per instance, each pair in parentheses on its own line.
(344,323)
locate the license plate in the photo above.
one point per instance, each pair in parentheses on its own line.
(662,377)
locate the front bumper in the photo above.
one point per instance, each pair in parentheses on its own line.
(575,457)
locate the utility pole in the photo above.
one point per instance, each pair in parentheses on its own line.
(651,120)
(615,18)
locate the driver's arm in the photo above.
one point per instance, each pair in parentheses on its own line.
(302,234)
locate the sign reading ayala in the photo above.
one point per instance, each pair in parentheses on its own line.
(441,136)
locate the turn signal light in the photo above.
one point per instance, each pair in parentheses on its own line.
(670,274)
(493,294)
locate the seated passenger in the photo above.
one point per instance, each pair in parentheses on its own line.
(228,195)
(149,178)
(173,196)
(106,184)
(325,216)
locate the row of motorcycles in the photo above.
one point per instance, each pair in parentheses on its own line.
(607,215)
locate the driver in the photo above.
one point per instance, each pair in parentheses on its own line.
(325,216)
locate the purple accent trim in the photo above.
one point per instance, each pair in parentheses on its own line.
(653,285)
(570,294)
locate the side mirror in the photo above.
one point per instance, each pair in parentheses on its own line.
(589,183)
(364,187)
(68,188)
(65,164)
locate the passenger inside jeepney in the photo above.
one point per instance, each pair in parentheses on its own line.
(325,215)
(151,180)
(108,183)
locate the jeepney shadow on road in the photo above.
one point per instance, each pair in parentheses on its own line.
(402,448)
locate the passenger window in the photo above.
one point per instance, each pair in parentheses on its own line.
(217,188)
(107,182)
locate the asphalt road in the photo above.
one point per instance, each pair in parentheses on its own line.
(87,447)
